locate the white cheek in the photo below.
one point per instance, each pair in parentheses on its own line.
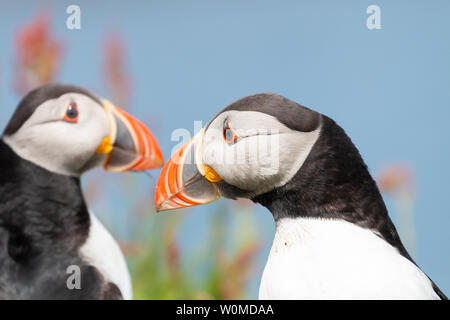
(294,151)
(262,162)
(52,146)
(248,163)
(268,155)
(59,146)
(245,164)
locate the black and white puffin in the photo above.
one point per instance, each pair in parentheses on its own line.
(334,238)
(47,233)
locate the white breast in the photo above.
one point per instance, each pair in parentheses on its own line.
(331,259)
(103,252)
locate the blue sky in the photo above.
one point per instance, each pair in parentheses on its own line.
(388,88)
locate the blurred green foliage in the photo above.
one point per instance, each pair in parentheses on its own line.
(158,271)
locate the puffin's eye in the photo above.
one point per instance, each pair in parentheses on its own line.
(71,112)
(228,134)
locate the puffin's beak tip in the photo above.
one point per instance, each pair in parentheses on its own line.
(159,162)
(160,207)
(156,161)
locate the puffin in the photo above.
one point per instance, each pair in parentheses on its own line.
(333,235)
(51,245)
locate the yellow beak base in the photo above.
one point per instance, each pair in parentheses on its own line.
(211,175)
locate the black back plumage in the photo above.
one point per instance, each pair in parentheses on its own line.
(43,223)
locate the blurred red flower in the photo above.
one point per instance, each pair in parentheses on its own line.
(396,177)
(38,54)
(117,76)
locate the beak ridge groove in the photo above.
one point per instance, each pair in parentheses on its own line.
(136,150)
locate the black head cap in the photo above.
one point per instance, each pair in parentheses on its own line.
(291,114)
(35,98)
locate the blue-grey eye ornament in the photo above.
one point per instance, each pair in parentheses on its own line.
(72,112)
(229,135)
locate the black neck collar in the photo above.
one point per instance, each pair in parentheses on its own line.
(45,206)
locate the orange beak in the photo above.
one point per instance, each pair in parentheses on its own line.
(182,182)
(130,146)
